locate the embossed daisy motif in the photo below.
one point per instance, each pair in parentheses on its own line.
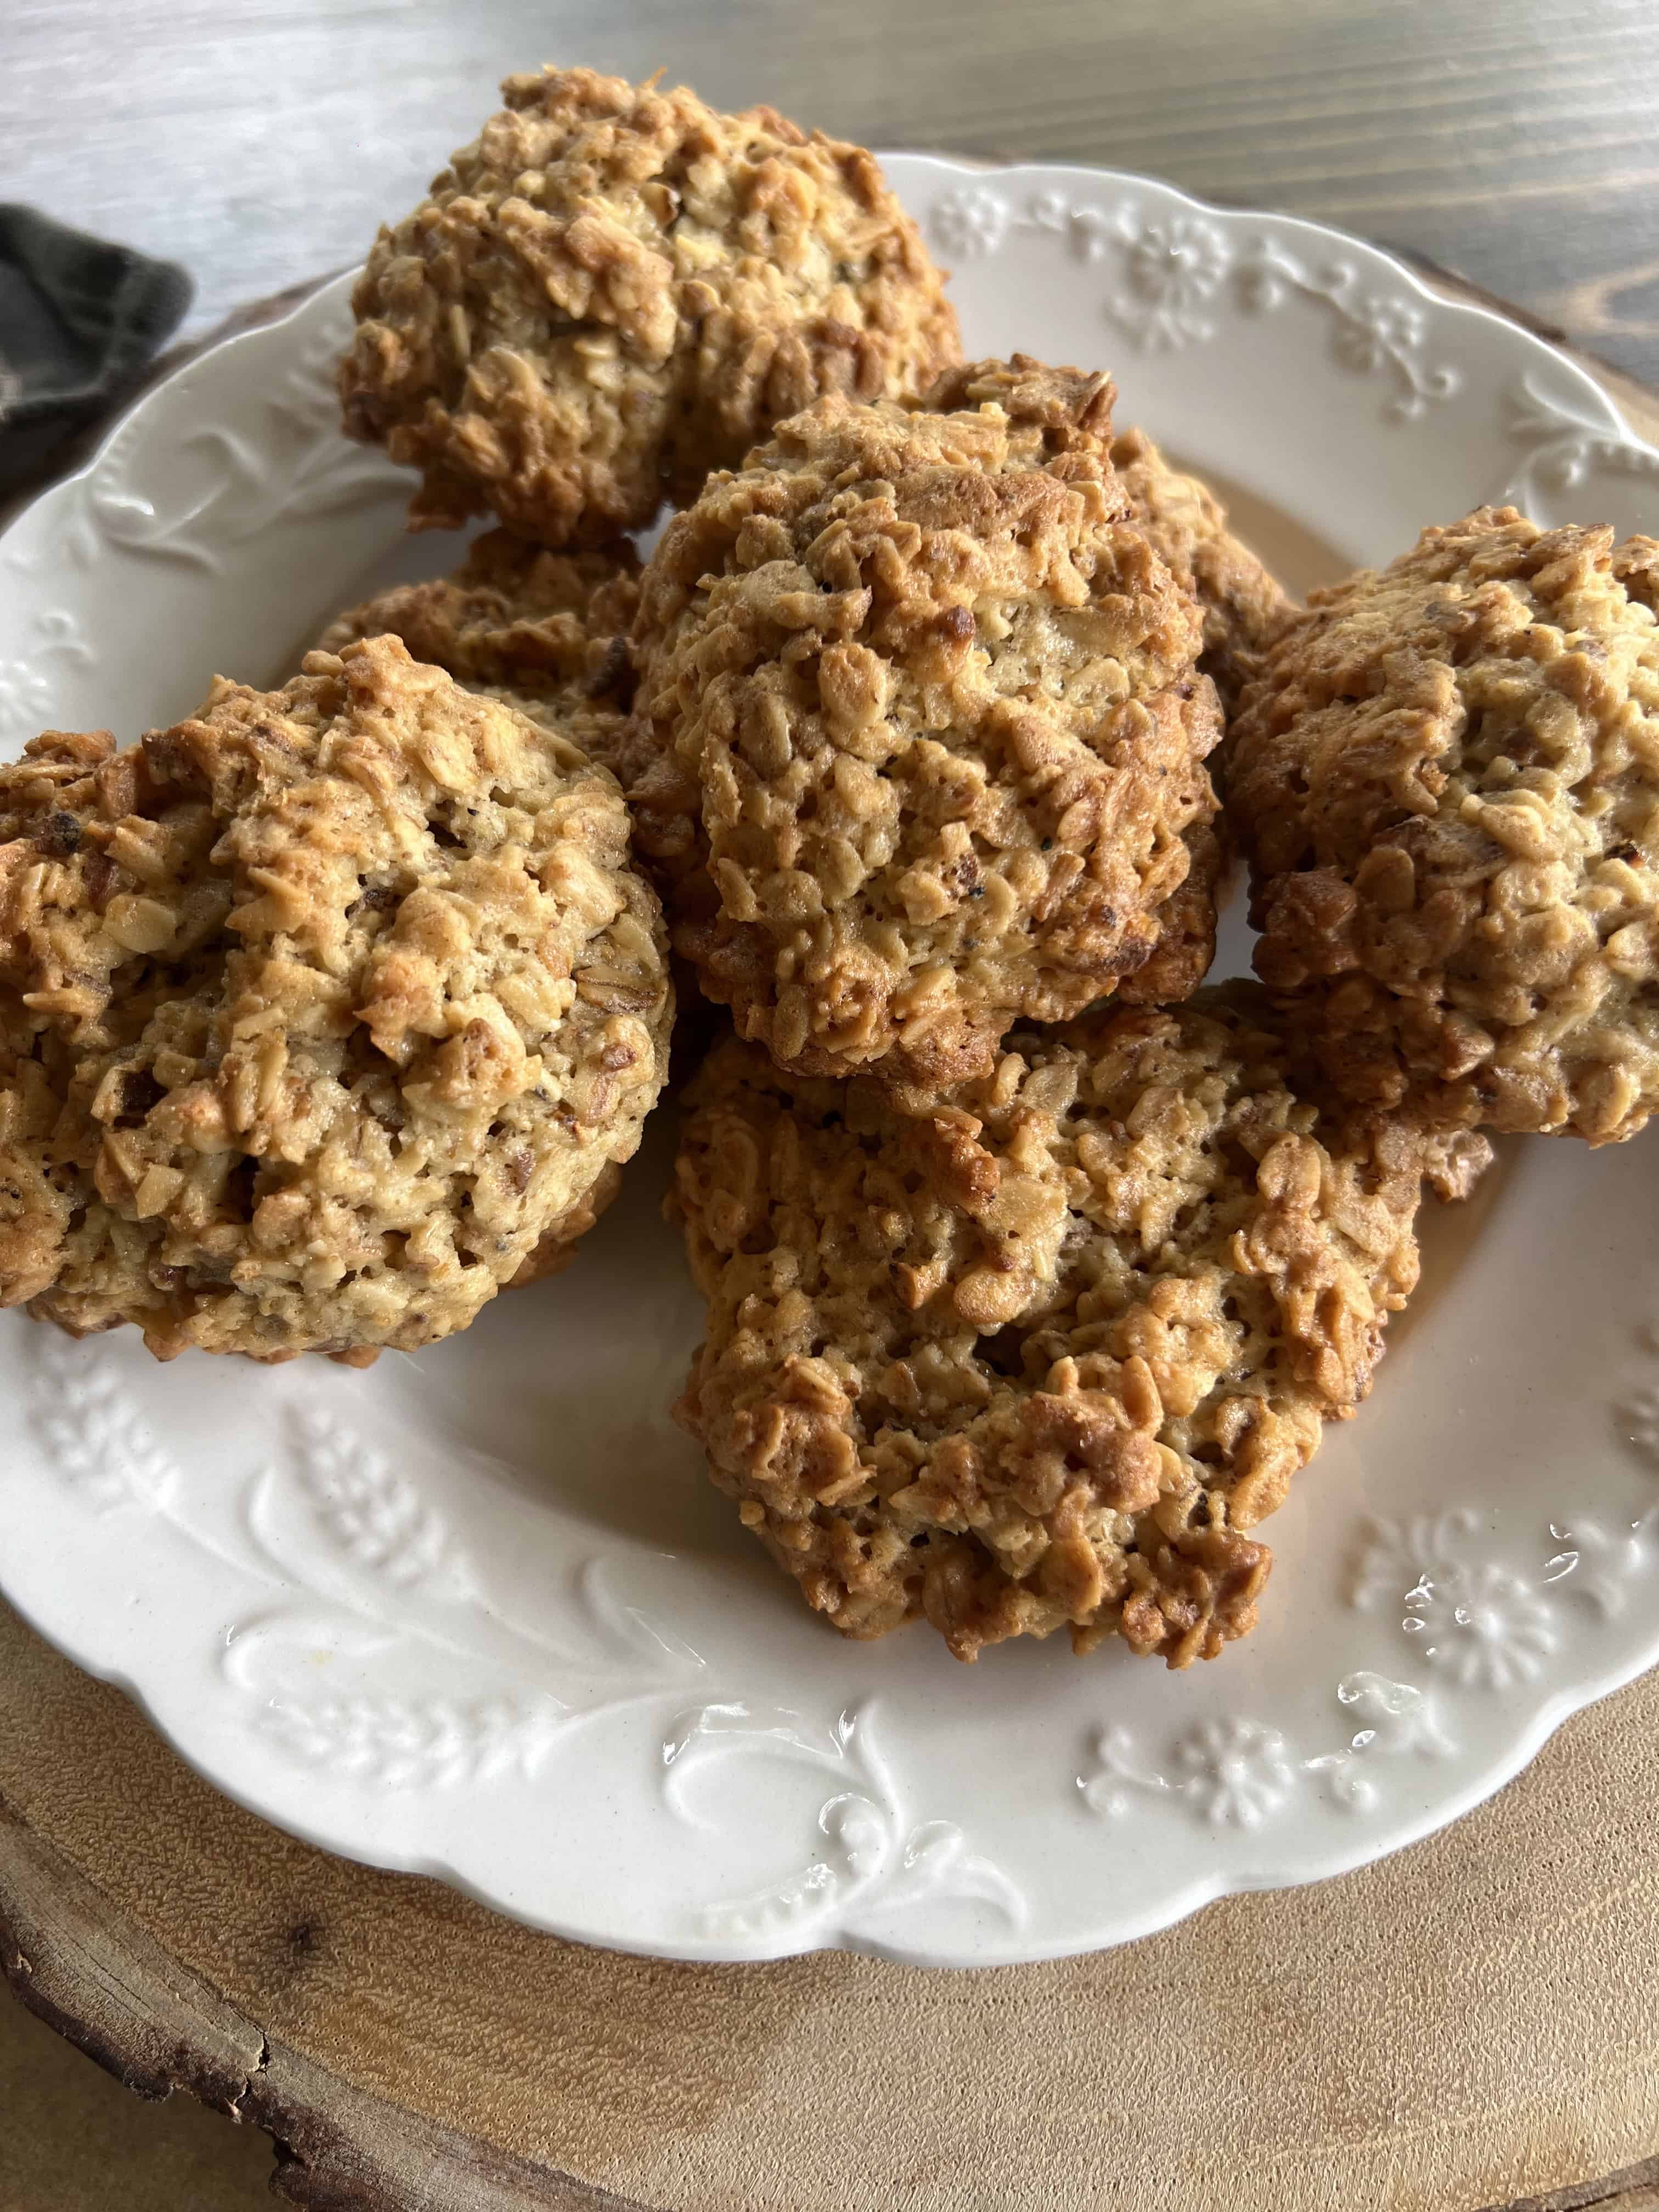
(1484,1625)
(1238,1772)
(969,222)
(1173,269)
(1490,1630)
(1173,273)
(1178,263)
(1235,1772)
(1379,331)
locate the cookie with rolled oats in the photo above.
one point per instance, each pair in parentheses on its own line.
(1445,776)
(547,632)
(324,1015)
(615,289)
(1044,1355)
(927,727)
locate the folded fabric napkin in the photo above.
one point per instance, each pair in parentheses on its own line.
(79,318)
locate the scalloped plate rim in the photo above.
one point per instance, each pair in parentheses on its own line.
(947,167)
(1183,1904)
(1303,227)
(100,1657)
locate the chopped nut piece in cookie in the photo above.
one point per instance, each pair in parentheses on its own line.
(324,1015)
(1043,1356)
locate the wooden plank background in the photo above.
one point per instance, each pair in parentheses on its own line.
(259,141)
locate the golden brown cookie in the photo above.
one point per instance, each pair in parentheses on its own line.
(1243,605)
(929,733)
(1042,1357)
(547,632)
(614,289)
(1446,778)
(324,1015)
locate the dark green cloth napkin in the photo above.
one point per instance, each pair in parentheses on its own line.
(79,319)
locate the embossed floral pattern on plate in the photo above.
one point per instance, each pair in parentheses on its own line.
(1182,272)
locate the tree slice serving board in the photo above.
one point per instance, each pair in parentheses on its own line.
(1473,2023)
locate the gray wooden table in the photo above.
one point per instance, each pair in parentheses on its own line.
(1516,142)
(259,141)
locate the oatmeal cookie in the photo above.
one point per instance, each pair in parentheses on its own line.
(615,290)
(1243,605)
(1446,779)
(1041,1357)
(928,732)
(323,1015)
(547,632)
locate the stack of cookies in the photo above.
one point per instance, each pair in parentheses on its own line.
(1033,1268)
(1031,1278)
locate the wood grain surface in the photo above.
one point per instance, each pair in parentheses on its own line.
(1475,2024)
(1471,2023)
(260,141)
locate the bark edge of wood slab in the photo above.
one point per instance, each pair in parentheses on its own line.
(161,2030)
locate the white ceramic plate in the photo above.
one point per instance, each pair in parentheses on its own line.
(478,1614)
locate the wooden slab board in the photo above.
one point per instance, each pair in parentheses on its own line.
(1473,2023)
